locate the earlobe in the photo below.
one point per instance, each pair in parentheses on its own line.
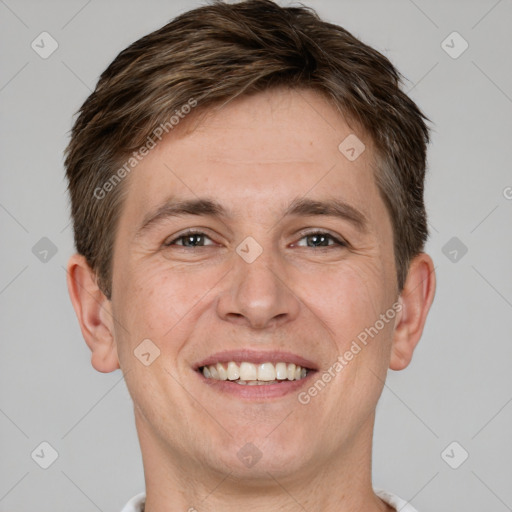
(94,313)
(416,299)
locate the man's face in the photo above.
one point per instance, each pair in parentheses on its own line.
(305,298)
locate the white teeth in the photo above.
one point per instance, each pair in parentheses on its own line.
(281,371)
(254,375)
(248,371)
(233,371)
(256,382)
(214,373)
(223,374)
(266,372)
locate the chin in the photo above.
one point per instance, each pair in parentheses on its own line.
(256,456)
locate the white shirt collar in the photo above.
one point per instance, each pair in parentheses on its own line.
(137,502)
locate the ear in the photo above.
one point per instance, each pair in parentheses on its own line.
(94,312)
(416,299)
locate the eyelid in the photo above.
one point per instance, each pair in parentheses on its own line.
(190,231)
(320,231)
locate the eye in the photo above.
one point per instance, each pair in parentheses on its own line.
(193,238)
(190,239)
(321,239)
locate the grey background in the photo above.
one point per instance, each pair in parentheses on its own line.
(458,387)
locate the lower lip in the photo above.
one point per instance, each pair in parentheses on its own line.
(259,391)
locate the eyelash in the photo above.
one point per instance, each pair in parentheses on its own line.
(337,241)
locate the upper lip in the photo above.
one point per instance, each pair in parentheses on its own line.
(256,357)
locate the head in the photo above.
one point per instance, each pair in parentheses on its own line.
(286,148)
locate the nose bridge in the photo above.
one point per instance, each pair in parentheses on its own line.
(257,294)
(257,270)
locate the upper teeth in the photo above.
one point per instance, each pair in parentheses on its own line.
(247,372)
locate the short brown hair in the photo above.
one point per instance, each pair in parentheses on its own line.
(215,53)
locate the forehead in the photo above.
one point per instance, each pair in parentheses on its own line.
(256,150)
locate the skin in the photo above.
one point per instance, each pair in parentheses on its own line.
(254,156)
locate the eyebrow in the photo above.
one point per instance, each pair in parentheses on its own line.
(209,207)
(328,207)
(178,208)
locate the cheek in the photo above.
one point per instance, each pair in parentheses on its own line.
(155,296)
(347,298)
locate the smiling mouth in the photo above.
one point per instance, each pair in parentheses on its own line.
(250,374)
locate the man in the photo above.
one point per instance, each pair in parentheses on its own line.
(247,199)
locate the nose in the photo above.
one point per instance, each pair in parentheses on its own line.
(258,294)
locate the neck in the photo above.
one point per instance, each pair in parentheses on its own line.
(338,482)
